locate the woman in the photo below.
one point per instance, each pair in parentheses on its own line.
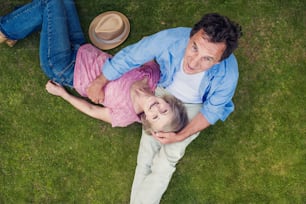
(67,61)
(130,99)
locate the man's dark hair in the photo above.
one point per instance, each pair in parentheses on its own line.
(219,28)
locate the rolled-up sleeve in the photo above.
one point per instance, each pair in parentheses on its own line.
(147,49)
(218,104)
(134,56)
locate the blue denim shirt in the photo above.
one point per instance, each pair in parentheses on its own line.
(167,48)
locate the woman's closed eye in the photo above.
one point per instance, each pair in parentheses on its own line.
(164,111)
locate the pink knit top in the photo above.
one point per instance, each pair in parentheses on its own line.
(117,93)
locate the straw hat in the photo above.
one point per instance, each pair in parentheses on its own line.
(109,29)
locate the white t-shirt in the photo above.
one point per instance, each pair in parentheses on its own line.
(186,83)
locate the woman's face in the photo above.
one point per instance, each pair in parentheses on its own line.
(158,113)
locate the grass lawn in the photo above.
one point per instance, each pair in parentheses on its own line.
(51,153)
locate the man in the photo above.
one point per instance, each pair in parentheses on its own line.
(198,67)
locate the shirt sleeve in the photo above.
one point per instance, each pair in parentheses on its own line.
(130,57)
(147,49)
(218,104)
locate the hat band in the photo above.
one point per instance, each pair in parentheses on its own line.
(116,40)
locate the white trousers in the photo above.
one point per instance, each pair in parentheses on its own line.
(156,163)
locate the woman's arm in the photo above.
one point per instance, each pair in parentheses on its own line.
(95,111)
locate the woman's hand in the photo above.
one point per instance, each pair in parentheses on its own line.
(55,88)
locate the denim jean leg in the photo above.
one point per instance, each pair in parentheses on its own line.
(23,21)
(56,55)
(75,30)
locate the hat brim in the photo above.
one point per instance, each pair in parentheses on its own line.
(104,45)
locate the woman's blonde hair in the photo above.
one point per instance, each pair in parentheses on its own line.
(177,123)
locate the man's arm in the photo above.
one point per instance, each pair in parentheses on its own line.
(198,123)
(95,89)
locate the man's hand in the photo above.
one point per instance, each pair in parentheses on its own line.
(95,90)
(198,123)
(166,137)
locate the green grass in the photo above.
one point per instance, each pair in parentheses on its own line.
(51,153)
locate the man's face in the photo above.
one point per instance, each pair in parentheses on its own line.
(200,54)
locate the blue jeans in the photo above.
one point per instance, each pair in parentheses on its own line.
(61,34)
